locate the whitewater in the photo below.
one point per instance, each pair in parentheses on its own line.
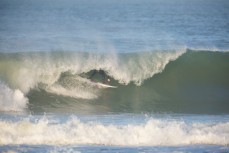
(168,61)
(153,132)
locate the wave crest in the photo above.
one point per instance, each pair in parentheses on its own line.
(154,132)
(25,71)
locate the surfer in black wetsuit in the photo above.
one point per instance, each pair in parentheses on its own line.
(102,73)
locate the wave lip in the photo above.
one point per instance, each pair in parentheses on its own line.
(155,132)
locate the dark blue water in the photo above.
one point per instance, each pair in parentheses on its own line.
(171,95)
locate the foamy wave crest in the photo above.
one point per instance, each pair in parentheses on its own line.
(11,100)
(153,132)
(141,66)
(26,71)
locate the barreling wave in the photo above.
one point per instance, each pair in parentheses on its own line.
(154,132)
(147,81)
(47,67)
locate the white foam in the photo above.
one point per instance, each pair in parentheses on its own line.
(11,100)
(154,132)
(74,86)
(72,92)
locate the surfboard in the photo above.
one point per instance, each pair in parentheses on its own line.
(96,84)
(101,85)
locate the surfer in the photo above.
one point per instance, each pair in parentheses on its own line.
(102,73)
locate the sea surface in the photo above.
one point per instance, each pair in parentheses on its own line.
(168,61)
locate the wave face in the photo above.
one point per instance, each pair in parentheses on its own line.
(182,81)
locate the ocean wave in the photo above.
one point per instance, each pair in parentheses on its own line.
(154,132)
(182,80)
(26,70)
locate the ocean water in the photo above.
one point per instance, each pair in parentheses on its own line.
(168,60)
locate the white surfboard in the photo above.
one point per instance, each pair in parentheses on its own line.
(101,85)
(96,84)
